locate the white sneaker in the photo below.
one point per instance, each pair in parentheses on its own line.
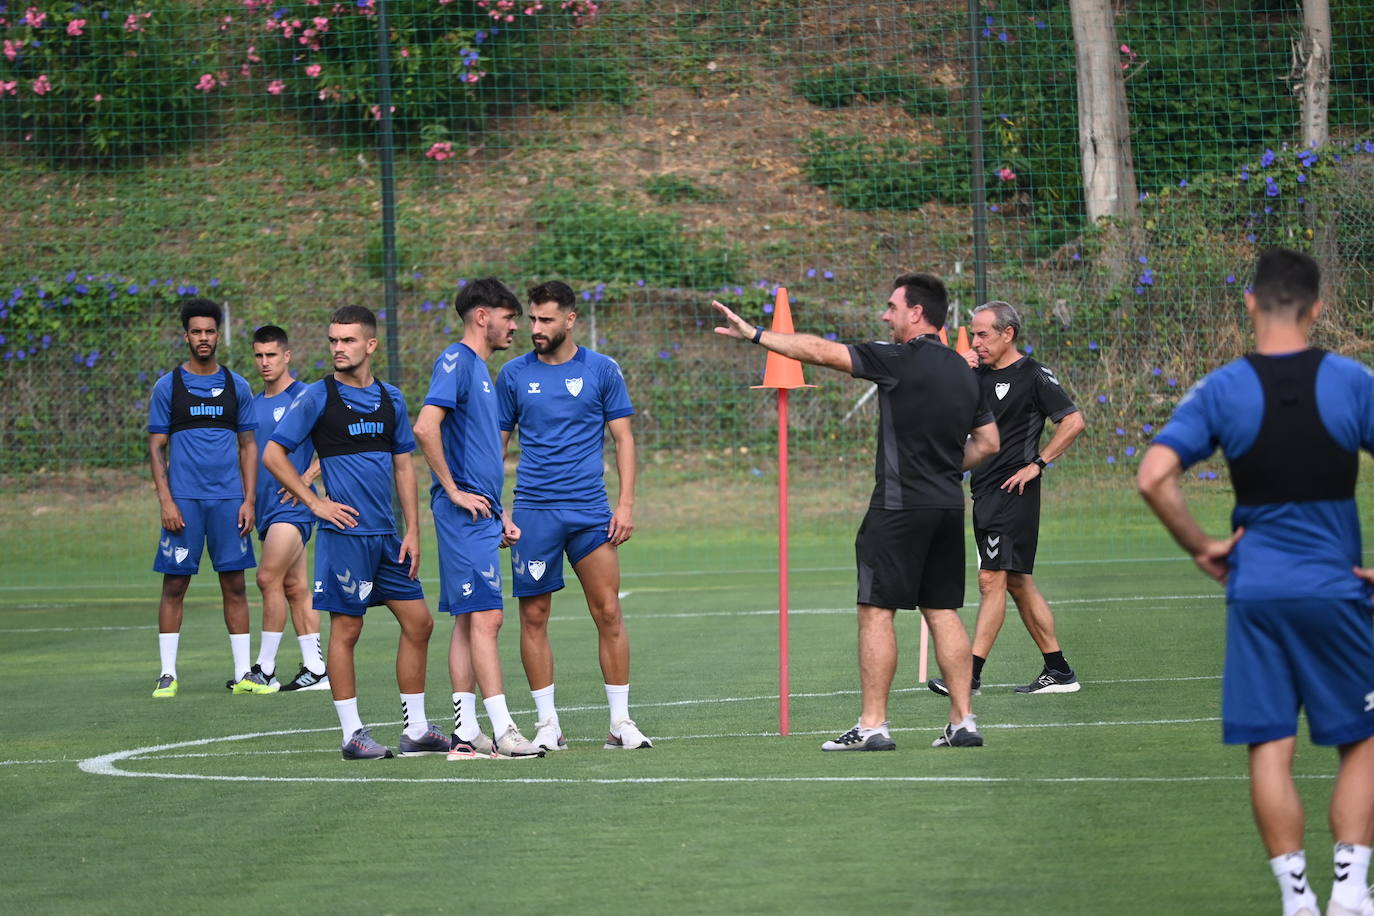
(480,747)
(626,736)
(513,745)
(549,736)
(1366,907)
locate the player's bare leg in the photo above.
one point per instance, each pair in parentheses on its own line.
(1352,799)
(878,662)
(305,620)
(235,593)
(536,652)
(1274,797)
(599,573)
(412,651)
(170,605)
(992,610)
(1035,612)
(344,630)
(953,655)
(281,549)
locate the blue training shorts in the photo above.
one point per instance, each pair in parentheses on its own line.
(547,534)
(212,520)
(469,559)
(355,571)
(1314,653)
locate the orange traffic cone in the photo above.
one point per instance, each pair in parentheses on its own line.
(961,342)
(782,371)
(944,338)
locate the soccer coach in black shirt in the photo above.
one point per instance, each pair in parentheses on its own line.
(933,424)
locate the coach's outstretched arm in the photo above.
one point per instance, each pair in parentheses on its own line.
(805,347)
(1157,482)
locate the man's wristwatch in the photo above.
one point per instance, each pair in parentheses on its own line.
(1040,461)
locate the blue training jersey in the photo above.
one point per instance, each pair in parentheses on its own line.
(562,412)
(363,479)
(268,411)
(461,384)
(1289,549)
(202,463)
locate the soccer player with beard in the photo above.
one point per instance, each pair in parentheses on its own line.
(202,453)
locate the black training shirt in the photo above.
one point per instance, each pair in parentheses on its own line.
(1021,396)
(928,403)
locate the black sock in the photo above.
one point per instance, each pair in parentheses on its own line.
(978,667)
(1054,661)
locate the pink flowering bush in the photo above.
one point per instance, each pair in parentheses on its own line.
(81,81)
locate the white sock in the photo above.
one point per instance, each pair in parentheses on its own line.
(1291,871)
(618,697)
(1352,874)
(267,652)
(465,724)
(348,717)
(498,714)
(310,653)
(167,647)
(240,644)
(413,721)
(544,710)
(969,722)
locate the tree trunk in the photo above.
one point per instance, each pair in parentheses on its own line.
(1104,128)
(1314,59)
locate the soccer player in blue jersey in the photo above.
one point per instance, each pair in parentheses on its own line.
(563,398)
(361,432)
(204,462)
(1291,421)
(284,526)
(458,433)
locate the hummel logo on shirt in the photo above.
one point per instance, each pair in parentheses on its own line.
(1049,374)
(486,386)
(450,366)
(534,388)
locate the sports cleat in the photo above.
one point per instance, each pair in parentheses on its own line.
(630,737)
(166,687)
(362,746)
(306,679)
(1365,908)
(1051,681)
(937,685)
(549,736)
(479,747)
(958,736)
(256,683)
(512,745)
(432,741)
(860,738)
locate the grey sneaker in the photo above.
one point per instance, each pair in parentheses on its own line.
(958,736)
(362,746)
(859,738)
(1051,681)
(306,679)
(512,745)
(937,685)
(479,747)
(549,736)
(432,741)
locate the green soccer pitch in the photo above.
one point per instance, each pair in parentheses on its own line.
(1118,799)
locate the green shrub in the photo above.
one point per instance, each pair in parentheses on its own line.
(672,189)
(79,82)
(842,85)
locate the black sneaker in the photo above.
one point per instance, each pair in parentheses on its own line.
(937,685)
(306,679)
(859,738)
(1051,681)
(958,736)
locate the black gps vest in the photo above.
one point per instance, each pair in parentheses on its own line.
(1294,459)
(190,411)
(343,431)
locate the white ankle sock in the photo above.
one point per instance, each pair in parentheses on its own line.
(310,652)
(465,723)
(618,698)
(167,648)
(240,645)
(1352,875)
(498,714)
(413,721)
(348,717)
(267,652)
(1291,871)
(544,710)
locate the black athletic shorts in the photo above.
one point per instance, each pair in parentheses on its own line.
(911,558)
(1006,528)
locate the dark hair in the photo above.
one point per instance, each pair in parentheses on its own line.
(1004,315)
(200,308)
(355,314)
(488,293)
(270,334)
(1286,281)
(555,291)
(928,292)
